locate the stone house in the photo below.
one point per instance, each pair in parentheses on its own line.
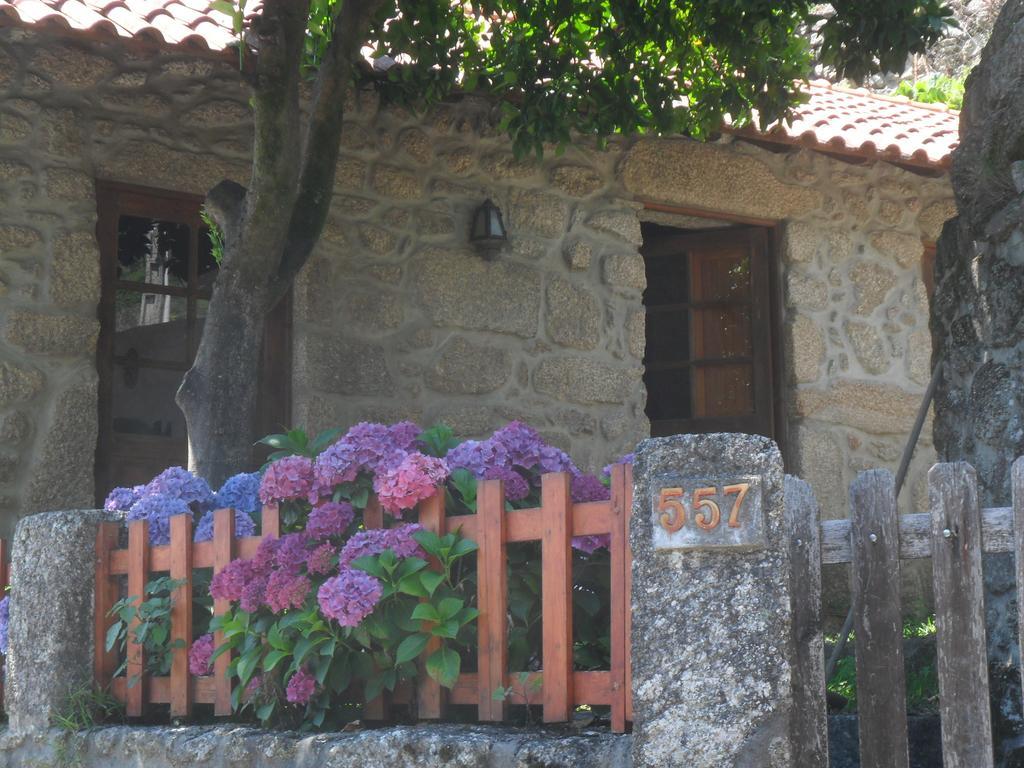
(786,273)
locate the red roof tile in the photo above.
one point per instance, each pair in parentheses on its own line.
(851,122)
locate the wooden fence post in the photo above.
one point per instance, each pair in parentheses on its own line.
(809,723)
(878,621)
(960,616)
(429,696)
(492,598)
(138,575)
(181,615)
(1017,487)
(223,553)
(620,506)
(556,596)
(373,518)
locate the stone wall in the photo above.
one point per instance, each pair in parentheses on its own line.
(396,315)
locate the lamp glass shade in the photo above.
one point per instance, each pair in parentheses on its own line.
(487,224)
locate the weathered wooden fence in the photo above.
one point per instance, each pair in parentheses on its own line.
(954,534)
(5,580)
(554,524)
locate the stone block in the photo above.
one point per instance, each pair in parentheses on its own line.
(819,459)
(415,143)
(872,283)
(919,357)
(804,291)
(807,350)
(70,67)
(712,641)
(469,369)
(623,224)
(586,381)
(875,408)
(576,180)
(931,219)
(371,311)
(625,270)
(573,315)
(458,288)
(714,178)
(52,334)
(504,165)
(537,212)
(636,334)
(76,270)
(68,184)
(12,237)
(51,623)
(868,347)
(459,160)
(905,250)
(14,128)
(343,366)
(578,256)
(397,183)
(62,473)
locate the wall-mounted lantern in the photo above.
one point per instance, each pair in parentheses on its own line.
(487,232)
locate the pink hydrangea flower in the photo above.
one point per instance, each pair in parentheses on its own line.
(253,594)
(365,447)
(292,552)
(286,590)
(266,555)
(199,656)
(329,519)
(321,560)
(287,478)
(349,597)
(301,687)
(230,583)
(405,483)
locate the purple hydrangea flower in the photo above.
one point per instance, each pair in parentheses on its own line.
(254,594)
(627,458)
(5,621)
(402,543)
(363,544)
(329,519)
(244,526)
(322,559)
(522,444)
(405,483)
(591,544)
(477,456)
(365,447)
(556,460)
(589,488)
(199,656)
(286,590)
(240,492)
(349,597)
(229,583)
(179,483)
(516,486)
(121,499)
(291,552)
(404,435)
(301,687)
(266,555)
(158,510)
(287,478)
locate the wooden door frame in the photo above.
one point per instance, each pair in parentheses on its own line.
(114,199)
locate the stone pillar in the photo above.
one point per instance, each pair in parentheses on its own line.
(51,624)
(712,641)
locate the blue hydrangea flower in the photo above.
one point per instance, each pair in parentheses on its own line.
(121,499)
(240,492)
(178,483)
(5,618)
(158,509)
(244,526)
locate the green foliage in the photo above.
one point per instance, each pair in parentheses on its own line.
(604,67)
(216,236)
(153,629)
(87,707)
(295,442)
(437,440)
(937,89)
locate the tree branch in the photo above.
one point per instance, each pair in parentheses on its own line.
(323,136)
(224,205)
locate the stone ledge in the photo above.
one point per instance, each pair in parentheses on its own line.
(466,746)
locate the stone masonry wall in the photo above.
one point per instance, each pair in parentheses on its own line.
(396,315)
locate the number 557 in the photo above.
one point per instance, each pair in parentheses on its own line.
(673,509)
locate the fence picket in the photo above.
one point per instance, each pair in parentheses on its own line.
(556,596)
(138,573)
(809,723)
(373,518)
(104,597)
(619,597)
(181,615)
(1017,488)
(628,505)
(960,616)
(223,553)
(878,621)
(429,697)
(270,524)
(492,598)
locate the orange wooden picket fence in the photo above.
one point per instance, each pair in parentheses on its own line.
(5,580)
(560,688)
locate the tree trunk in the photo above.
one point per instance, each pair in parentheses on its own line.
(219,394)
(978,323)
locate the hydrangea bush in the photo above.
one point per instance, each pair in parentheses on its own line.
(331,607)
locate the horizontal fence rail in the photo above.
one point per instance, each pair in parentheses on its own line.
(557,687)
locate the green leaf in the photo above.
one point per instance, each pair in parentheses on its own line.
(412,585)
(449,629)
(464,547)
(272,659)
(449,606)
(247,665)
(444,665)
(431,580)
(277,639)
(410,648)
(371,565)
(429,540)
(426,612)
(113,635)
(264,712)
(409,566)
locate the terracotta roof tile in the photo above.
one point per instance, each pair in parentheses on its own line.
(833,119)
